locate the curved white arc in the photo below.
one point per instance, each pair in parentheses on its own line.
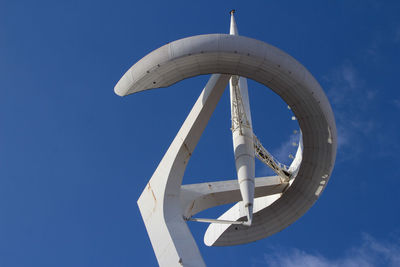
(242,56)
(226,54)
(295,165)
(216,231)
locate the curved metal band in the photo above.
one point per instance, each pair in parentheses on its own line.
(253,59)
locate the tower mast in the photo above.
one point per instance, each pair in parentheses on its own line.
(242,135)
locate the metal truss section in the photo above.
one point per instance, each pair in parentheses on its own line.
(240,121)
(239,118)
(262,154)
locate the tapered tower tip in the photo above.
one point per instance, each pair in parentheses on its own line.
(233,29)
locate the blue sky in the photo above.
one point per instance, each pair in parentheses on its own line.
(74,157)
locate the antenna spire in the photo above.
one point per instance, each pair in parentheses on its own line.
(233,29)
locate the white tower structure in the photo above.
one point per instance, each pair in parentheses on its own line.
(264,205)
(242,135)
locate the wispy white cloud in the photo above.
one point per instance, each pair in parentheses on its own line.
(370,252)
(287,148)
(350,100)
(372,51)
(396,102)
(344,136)
(370,94)
(397,35)
(342,81)
(348,74)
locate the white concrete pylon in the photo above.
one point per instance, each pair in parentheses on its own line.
(165,203)
(242,135)
(160,202)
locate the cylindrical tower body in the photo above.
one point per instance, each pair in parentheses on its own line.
(242,135)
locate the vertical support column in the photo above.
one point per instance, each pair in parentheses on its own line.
(242,135)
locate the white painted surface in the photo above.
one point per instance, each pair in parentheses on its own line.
(198,197)
(160,202)
(242,137)
(261,202)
